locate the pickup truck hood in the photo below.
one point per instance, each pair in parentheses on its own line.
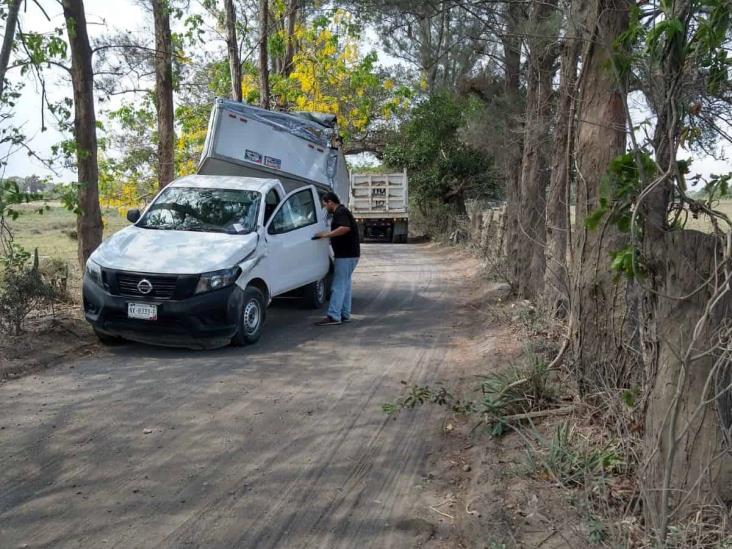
(173,252)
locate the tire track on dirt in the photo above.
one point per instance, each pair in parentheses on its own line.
(285,463)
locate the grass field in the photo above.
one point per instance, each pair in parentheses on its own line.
(54,231)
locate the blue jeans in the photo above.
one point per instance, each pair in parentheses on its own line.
(340,292)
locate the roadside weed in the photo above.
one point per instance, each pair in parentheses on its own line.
(572,459)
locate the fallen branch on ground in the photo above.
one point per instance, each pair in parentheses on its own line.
(541,413)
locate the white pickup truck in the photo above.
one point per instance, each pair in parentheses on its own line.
(199,266)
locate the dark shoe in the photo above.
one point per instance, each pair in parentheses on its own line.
(327,321)
(346,319)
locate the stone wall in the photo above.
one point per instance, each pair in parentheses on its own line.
(486,229)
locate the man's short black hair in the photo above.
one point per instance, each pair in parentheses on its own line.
(330,196)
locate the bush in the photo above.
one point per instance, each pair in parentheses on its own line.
(23,288)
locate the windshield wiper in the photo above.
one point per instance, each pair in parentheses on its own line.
(203,230)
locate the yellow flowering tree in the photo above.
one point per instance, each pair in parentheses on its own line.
(329,74)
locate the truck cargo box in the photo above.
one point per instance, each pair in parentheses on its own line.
(294,148)
(379,202)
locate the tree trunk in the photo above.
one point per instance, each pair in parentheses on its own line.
(427,58)
(233,47)
(556,275)
(263,54)
(535,161)
(292,11)
(513,142)
(11,22)
(164,92)
(601,329)
(689,464)
(89,221)
(684,340)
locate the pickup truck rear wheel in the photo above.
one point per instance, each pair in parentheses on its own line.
(251,317)
(315,294)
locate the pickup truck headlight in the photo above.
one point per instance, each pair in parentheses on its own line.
(94,272)
(217,280)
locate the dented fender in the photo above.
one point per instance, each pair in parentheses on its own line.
(252,267)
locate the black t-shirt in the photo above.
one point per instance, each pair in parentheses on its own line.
(346,245)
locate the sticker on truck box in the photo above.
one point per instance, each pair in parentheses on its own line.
(270,162)
(253,156)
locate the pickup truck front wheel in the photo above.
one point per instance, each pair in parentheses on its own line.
(251,317)
(315,294)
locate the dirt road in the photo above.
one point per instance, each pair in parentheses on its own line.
(282,444)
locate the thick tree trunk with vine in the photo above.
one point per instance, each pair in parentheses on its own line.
(511,165)
(535,161)
(11,22)
(688,411)
(685,331)
(164,92)
(264,98)
(602,327)
(89,221)
(556,274)
(232,46)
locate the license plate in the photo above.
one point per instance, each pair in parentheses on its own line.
(142,311)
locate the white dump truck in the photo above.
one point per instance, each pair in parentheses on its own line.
(379,202)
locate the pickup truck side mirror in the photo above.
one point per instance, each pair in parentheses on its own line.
(133,216)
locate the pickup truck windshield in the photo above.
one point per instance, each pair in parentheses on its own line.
(208,210)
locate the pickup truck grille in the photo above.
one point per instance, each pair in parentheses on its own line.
(163,287)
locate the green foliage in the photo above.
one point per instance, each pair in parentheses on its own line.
(574,460)
(691,41)
(23,288)
(133,173)
(709,41)
(441,167)
(625,261)
(44,47)
(596,530)
(717,187)
(630,397)
(418,395)
(517,391)
(619,189)
(11,195)
(667,30)
(68,195)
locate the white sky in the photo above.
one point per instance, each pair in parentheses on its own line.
(104,16)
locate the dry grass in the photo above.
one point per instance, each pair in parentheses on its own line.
(54,231)
(703,223)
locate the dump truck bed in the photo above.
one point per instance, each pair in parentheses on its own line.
(296,149)
(379,195)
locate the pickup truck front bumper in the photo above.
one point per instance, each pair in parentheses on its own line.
(199,321)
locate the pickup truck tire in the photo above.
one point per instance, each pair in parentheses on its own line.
(315,294)
(108,340)
(251,317)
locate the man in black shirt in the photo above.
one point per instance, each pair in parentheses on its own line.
(344,240)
